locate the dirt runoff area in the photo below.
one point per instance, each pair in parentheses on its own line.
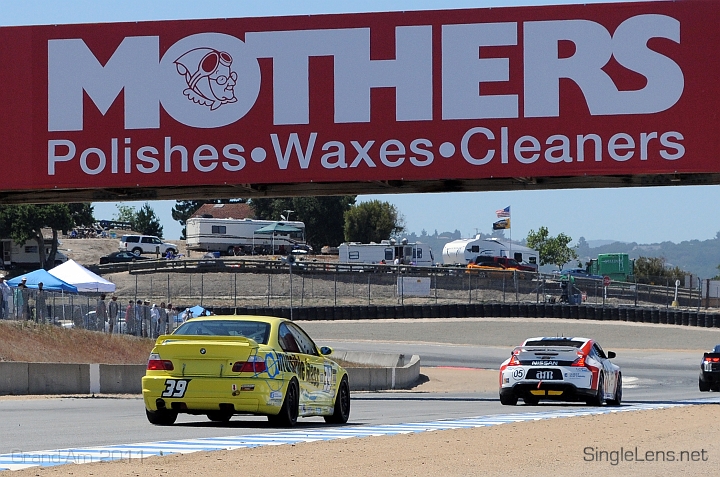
(678,441)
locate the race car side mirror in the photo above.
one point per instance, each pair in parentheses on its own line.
(326,350)
(611,354)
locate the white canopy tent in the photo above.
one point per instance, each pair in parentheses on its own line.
(86,281)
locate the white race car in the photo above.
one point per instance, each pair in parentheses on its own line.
(560,369)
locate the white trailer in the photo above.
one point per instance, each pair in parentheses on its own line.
(464,251)
(386,251)
(237,236)
(26,254)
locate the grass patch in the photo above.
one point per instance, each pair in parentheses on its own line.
(37,343)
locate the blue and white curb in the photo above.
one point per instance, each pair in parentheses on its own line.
(83,455)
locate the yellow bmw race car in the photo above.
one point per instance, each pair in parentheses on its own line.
(225,365)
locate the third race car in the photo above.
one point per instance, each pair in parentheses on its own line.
(560,369)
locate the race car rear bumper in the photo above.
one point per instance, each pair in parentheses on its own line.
(547,390)
(710,377)
(232,395)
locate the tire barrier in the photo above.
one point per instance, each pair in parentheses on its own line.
(670,316)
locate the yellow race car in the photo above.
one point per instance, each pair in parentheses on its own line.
(226,365)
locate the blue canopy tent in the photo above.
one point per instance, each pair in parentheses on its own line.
(50,283)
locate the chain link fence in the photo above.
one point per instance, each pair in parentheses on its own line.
(137,293)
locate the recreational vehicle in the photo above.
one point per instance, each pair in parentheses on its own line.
(386,251)
(26,254)
(464,251)
(244,236)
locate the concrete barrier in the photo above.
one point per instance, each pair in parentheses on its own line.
(380,371)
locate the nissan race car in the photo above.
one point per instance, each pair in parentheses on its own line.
(710,371)
(560,369)
(226,365)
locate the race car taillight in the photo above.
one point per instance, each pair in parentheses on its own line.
(710,359)
(514,361)
(249,367)
(157,364)
(579,362)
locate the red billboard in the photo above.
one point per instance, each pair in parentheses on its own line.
(552,91)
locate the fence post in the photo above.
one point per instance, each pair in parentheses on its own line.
(368,289)
(335,278)
(235,290)
(503,288)
(202,288)
(515,281)
(168,288)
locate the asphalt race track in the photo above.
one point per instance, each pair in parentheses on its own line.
(654,374)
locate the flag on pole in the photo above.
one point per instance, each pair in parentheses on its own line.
(503,213)
(501,224)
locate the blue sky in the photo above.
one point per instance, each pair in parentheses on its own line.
(644,215)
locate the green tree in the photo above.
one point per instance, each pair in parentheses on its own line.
(654,270)
(26,222)
(323,216)
(146,222)
(82,214)
(125,213)
(554,250)
(372,221)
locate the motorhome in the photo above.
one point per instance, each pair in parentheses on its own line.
(464,251)
(26,254)
(240,237)
(387,251)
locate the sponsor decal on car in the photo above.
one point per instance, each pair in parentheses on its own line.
(544,363)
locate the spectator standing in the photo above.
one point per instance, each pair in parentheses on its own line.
(171,318)
(154,321)
(40,310)
(101,315)
(162,320)
(139,315)
(130,318)
(5,294)
(113,309)
(22,300)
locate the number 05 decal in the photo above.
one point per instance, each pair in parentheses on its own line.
(175,388)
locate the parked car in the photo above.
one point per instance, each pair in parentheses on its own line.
(139,244)
(506,262)
(121,257)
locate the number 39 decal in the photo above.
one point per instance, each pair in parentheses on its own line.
(175,388)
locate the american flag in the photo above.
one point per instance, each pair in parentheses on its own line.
(503,212)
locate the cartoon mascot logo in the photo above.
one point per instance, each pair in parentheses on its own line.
(211,81)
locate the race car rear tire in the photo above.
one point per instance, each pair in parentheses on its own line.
(715,387)
(617,399)
(219,416)
(703,385)
(341,414)
(598,399)
(288,415)
(161,417)
(508,399)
